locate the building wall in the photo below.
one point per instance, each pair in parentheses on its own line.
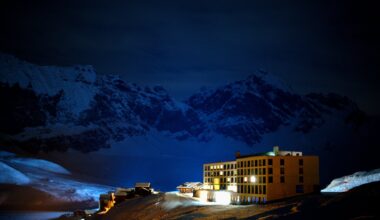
(220,176)
(252,179)
(265,178)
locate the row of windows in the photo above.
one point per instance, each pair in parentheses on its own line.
(220,167)
(256,189)
(221,173)
(222,180)
(256,171)
(260,171)
(249,163)
(260,179)
(254,163)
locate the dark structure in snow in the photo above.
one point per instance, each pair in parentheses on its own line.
(143,189)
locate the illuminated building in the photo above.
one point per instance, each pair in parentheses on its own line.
(264,177)
(220,176)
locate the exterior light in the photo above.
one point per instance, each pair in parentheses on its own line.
(203,196)
(223,197)
(232,188)
(253,179)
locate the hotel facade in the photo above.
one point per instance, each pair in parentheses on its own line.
(260,178)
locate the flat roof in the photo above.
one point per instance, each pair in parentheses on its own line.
(230,161)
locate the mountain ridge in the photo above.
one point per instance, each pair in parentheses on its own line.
(73,107)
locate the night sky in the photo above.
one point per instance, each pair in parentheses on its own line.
(321,46)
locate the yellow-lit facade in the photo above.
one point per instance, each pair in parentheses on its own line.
(220,176)
(266,177)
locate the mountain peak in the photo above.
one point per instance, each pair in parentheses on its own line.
(262,77)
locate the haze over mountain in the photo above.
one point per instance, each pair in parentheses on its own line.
(72,109)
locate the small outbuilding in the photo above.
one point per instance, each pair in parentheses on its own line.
(143,189)
(189,187)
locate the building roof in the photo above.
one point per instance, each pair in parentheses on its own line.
(257,155)
(230,161)
(142,185)
(191,185)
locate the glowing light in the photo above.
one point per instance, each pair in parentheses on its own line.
(203,196)
(223,198)
(228,179)
(245,179)
(232,188)
(221,166)
(221,173)
(253,179)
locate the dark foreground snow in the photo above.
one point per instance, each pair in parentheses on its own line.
(44,181)
(358,203)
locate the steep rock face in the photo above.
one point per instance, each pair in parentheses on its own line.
(57,108)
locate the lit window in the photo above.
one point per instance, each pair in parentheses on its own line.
(221,166)
(253,179)
(245,179)
(221,173)
(228,179)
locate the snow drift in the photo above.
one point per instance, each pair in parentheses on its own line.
(11,175)
(48,177)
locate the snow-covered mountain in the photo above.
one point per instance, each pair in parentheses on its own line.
(49,108)
(70,107)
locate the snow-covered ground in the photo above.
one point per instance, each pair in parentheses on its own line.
(346,183)
(48,177)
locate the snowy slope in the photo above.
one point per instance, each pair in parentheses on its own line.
(11,175)
(48,177)
(346,183)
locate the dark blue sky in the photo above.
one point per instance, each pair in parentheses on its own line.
(325,46)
